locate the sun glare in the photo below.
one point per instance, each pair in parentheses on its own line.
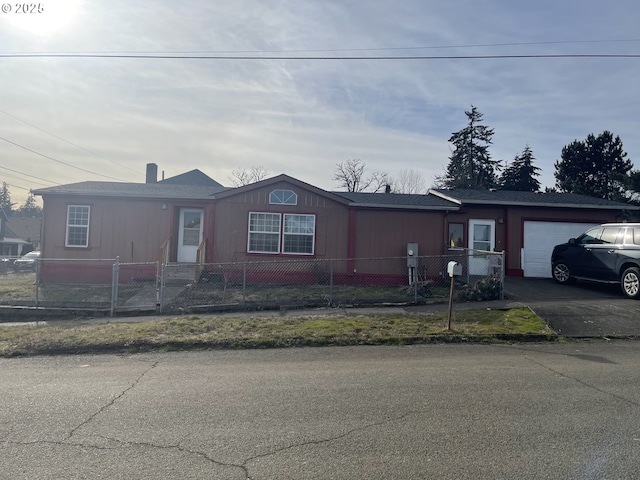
(42,17)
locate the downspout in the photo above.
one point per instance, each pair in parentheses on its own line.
(445,233)
(506,240)
(211,229)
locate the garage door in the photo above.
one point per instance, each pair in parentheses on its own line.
(539,240)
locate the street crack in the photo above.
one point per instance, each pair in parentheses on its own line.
(112,401)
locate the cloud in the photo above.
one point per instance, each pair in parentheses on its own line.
(301,117)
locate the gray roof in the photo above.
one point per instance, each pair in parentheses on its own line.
(194,177)
(398,200)
(26,228)
(530,199)
(133,190)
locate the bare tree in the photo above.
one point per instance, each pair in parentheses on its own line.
(378,182)
(245,176)
(350,175)
(409,181)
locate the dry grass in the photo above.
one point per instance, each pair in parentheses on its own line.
(263,332)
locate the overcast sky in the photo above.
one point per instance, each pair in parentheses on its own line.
(108,117)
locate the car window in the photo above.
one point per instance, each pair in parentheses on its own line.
(610,235)
(589,237)
(634,233)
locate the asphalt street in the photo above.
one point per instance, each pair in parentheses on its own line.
(534,411)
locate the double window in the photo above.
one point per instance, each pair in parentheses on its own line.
(77,226)
(281,233)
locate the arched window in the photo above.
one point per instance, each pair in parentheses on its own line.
(283,197)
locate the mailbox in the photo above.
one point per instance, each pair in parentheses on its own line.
(454,269)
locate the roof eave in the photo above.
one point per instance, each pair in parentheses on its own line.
(402,207)
(448,198)
(551,205)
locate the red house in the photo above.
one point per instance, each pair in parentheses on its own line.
(192,218)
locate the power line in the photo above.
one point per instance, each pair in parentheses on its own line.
(66,141)
(309,58)
(18,186)
(370,49)
(28,175)
(59,161)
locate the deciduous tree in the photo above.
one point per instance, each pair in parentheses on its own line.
(245,176)
(350,175)
(409,181)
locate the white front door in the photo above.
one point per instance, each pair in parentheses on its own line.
(482,236)
(189,234)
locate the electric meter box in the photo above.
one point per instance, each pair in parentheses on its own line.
(412,255)
(454,269)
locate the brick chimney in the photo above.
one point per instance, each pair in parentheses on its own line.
(152,173)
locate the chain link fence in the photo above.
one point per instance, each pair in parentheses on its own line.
(111,286)
(330,283)
(100,285)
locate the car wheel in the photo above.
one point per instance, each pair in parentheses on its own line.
(561,273)
(630,282)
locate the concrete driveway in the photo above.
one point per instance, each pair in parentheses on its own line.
(581,310)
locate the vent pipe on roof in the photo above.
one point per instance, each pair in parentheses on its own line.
(152,173)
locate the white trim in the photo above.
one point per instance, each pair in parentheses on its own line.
(479,265)
(312,235)
(188,253)
(293,196)
(86,227)
(249,232)
(281,233)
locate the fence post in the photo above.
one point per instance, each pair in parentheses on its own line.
(114,285)
(331,282)
(162,285)
(37,281)
(157,286)
(244,283)
(502,272)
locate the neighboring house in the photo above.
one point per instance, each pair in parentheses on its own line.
(18,235)
(192,218)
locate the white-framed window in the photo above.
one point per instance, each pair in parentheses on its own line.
(283,197)
(77,226)
(288,233)
(264,233)
(298,234)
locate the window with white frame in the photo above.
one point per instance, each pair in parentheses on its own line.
(264,233)
(283,197)
(298,234)
(292,234)
(77,226)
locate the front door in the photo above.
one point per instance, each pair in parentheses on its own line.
(189,234)
(482,236)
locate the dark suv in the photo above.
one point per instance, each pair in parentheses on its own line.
(609,253)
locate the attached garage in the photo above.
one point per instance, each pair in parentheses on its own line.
(539,240)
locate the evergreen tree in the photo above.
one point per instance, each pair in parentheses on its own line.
(597,166)
(5,198)
(520,174)
(470,164)
(30,208)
